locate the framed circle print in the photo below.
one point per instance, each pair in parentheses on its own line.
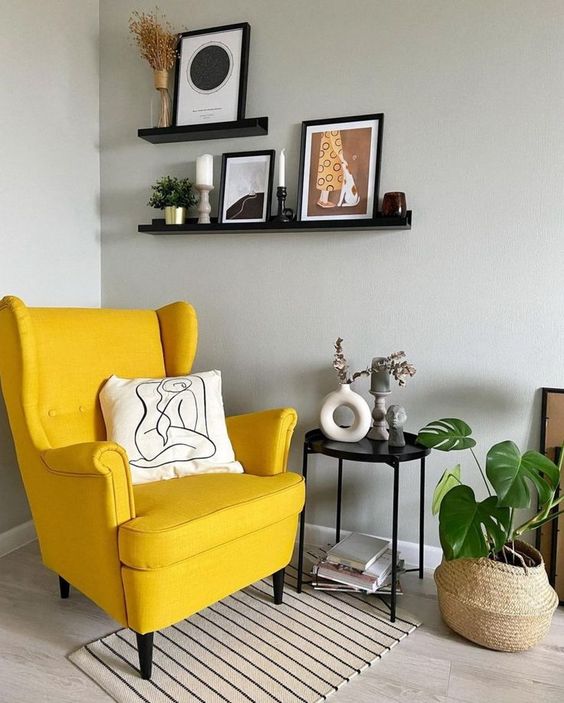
(340,168)
(211,75)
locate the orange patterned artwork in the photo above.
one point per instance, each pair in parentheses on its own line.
(340,169)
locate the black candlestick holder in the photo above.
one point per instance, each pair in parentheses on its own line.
(284,214)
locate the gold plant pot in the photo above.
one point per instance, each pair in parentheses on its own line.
(175,215)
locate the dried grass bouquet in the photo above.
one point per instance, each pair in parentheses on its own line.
(155,38)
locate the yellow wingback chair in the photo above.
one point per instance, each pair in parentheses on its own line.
(150,554)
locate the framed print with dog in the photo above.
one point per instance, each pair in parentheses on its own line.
(340,168)
(246,186)
(211,75)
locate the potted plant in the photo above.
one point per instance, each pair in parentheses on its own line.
(492,587)
(174,196)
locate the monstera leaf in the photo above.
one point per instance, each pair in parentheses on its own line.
(448,434)
(471,529)
(511,475)
(448,480)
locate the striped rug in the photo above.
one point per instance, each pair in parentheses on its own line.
(245,648)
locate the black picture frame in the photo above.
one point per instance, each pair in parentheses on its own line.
(206,105)
(372,178)
(267,198)
(549,536)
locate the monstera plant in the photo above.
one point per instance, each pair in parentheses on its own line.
(473,528)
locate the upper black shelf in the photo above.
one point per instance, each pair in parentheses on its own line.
(251,127)
(192,226)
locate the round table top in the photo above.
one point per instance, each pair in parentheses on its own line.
(368,450)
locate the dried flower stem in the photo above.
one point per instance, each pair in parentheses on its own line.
(156,40)
(341,366)
(397,366)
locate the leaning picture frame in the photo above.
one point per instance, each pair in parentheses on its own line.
(550,537)
(339,173)
(245,192)
(211,75)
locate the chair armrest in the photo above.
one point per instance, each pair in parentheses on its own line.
(261,440)
(106,461)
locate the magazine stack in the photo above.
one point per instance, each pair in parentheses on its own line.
(357,563)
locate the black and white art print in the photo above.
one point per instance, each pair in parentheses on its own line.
(246,186)
(169,427)
(173,423)
(211,75)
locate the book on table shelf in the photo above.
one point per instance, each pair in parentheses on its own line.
(321,584)
(370,580)
(357,550)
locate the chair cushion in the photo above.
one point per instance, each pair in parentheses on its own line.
(183,517)
(169,427)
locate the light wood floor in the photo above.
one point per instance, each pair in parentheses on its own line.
(37,630)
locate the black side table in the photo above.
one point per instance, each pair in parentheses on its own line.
(372,452)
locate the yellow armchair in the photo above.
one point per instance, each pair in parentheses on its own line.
(150,554)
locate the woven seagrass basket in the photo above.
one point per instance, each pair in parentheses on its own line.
(496,605)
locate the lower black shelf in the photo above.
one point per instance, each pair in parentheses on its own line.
(192,226)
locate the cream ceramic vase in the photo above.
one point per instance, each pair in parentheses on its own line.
(345,396)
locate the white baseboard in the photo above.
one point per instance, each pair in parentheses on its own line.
(320,536)
(16,537)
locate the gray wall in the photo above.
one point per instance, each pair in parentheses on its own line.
(473,98)
(49,182)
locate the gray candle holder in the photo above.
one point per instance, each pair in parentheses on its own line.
(379,430)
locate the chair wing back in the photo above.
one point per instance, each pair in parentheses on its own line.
(53,362)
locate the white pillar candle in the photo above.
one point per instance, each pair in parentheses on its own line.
(282,169)
(204,170)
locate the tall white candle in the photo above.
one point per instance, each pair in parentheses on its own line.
(282,169)
(204,170)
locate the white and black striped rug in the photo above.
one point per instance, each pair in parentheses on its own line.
(246,649)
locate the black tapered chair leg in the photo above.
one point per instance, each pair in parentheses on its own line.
(145,651)
(64,587)
(278,583)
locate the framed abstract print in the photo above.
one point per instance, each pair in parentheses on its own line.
(211,75)
(246,186)
(340,168)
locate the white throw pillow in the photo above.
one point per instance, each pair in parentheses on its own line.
(169,427)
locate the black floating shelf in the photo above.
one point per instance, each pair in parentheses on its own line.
(252,127)
(192,226)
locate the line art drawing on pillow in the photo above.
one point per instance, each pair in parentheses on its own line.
(175,422)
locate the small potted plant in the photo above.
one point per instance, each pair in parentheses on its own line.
(174,196)
(492,587)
